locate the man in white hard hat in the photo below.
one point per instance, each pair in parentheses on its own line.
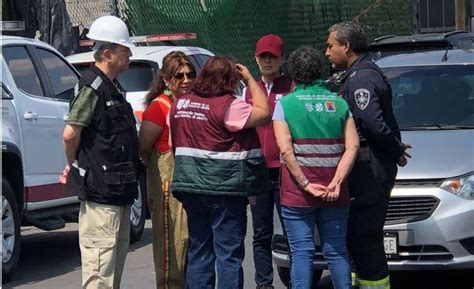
(101,146)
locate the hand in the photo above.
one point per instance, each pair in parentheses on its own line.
(402,161)
(316,190)
(406,146)
(334,190)
(63,177)
(244,73)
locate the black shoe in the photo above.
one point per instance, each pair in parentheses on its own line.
(265,287)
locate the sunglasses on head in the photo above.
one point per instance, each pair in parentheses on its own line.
(188,75)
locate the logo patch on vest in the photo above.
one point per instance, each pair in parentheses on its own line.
(362,98)
(309,107)
(330,106)
(319,107)
(183,103)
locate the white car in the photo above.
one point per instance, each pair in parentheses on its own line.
(144,63)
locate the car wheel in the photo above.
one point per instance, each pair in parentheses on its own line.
(10,231)
(138,212)
(285,276)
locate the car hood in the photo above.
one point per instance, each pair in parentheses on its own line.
(438,154)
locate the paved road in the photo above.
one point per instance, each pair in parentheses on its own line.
(52,260)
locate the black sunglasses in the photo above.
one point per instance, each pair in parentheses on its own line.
(188,75)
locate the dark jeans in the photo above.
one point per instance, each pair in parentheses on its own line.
(217,226)
(262,221)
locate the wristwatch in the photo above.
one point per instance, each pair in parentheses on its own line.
(304,184)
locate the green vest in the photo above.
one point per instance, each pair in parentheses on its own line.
(325,107)
(316,118)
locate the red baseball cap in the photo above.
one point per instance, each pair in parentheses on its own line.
(270,43)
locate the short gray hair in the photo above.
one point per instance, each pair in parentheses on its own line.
(305,65)
(100,47)
(352,33)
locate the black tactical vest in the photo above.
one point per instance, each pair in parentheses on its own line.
(107,165)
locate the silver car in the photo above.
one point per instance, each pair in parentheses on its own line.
(430,218)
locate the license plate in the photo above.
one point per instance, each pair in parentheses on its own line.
(390,241)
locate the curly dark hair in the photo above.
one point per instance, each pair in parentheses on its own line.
(305,65)
(218,77)
(171,63)
(352,33)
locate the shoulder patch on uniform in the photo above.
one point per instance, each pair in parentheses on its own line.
(76,89)
(96,83)
(362,98)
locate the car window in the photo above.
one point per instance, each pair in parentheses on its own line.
(63,78)
(195,63)
(23,72)
(137,77)
(466,43)
(433,95)
(202,59)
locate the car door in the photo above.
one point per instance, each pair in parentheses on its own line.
(41,121)
(62,78)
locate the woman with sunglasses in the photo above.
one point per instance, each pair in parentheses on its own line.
(170,232)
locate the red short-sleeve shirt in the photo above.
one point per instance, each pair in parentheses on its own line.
(157,112)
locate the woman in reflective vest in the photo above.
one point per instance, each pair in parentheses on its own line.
(218,164)
(318,143)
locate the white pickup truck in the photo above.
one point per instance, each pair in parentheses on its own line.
(36,88)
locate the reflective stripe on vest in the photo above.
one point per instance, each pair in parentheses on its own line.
(379,284)
(318,148)
(205,154)
(318,162)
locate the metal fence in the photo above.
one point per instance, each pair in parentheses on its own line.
(226,26)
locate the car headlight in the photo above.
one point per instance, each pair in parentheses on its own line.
(462,186)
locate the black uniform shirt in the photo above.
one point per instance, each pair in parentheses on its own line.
(369,95)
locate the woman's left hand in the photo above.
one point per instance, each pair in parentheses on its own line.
(333,192)
(316,190)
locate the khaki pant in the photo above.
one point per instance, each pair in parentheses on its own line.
(170,228)
(104,235)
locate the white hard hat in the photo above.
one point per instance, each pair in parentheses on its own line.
(110,29)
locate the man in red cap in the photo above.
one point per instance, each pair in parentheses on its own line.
(269,58)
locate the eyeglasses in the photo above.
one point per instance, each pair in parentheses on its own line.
(188,75)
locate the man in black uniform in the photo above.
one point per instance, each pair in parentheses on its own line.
(101,146)
(366,89)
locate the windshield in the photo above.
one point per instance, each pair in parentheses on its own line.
(439,96)
(136,78)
